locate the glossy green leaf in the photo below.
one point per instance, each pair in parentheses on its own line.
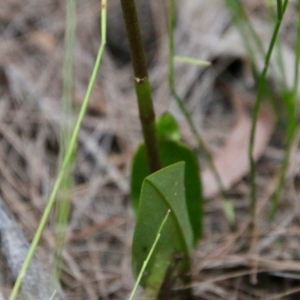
(162,191)
(167,127)
(172,152)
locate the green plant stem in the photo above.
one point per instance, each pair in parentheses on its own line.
(67,158)
(274,12)
(142,84)
(228,208)
(260,92)
(297,51)
(63,203)
(291,104)
(279,8)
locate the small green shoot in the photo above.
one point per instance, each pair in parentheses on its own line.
(167,127)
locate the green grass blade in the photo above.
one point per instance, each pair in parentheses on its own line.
(278,52)
(66,160)
(291,106)
(260,92)
(63,203)
(279,8)
(297,58)
(138,280)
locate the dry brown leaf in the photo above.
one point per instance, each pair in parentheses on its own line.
(232,161)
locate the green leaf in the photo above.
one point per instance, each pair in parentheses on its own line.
(162,191)
(167,127)
(172,152)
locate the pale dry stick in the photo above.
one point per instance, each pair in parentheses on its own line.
(284,294)
(273,235)
(88,285)
(266,265)
(288,269)
(98,276)
(37,284)
(29,218)
(237,288)
(232,275)
(95,228)
(68,259)
(273,265)
(215,290)
(48,238)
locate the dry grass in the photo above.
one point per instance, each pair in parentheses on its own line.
(97,255)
